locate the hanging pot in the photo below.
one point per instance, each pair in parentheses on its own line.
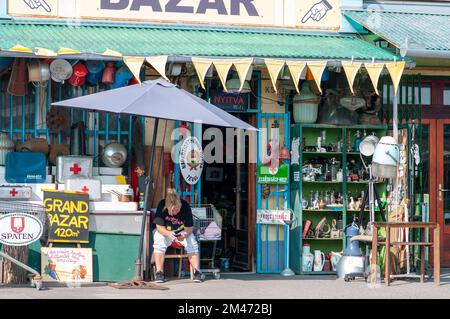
(306,105)
(6,146)
(95,69)
(78,77)
(114,155)
(109,73)
(18,82)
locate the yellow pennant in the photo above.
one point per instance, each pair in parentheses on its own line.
(223,68)
(374,70)
(134,64)
(351,69)
(68,51)
(45,52)
(296,68)
(317,69)
(159,64)
(20,48)
(201,67)
(396,71)
(110,52)
(243,67)
(274,67)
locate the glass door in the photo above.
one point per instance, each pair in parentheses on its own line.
(443,191)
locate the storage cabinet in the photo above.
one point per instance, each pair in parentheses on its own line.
(329,172)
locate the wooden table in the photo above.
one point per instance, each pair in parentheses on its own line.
(435,243)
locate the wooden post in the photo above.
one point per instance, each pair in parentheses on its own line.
(422,255)
(437,258)
(387,270)
(373,262)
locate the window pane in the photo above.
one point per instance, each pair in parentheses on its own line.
(447,94)
(407,96)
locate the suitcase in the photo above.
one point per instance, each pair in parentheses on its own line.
(15,192)
(68,167)
(25,167)
(86,185)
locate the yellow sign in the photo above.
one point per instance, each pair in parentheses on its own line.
(310,14)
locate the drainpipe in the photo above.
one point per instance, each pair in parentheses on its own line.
(423,53)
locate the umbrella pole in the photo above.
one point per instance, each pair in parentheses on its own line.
(138,281)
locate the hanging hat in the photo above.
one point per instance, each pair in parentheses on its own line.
(79,75)
(60,70)
(123,75)
(95,69)
(109,73)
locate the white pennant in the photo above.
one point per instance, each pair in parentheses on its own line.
(243,67)
(374,70)
(351,70)
(274,67)
(159,64)
(223,68)
(201,67)
(135,65)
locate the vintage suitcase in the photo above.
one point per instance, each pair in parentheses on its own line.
(73,167)
(15,192)
(86,185)
(26,167)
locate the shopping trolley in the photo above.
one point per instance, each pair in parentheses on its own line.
(14,210)
(208,227)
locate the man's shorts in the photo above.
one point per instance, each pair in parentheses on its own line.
(160,243)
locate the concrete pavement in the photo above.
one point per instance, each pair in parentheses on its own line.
(245,286)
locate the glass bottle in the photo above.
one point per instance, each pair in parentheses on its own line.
(357,141)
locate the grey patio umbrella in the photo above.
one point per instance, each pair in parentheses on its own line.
(158,99)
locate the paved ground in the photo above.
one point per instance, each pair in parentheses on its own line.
(242,286)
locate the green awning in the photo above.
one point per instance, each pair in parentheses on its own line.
(407,30)
(186,40)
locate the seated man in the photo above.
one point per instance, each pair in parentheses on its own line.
(174,223)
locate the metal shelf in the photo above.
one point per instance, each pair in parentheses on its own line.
(326,239)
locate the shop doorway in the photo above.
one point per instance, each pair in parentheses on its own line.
(230,187)
(436,178)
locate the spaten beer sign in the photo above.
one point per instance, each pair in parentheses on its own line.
(20,229)
(191,160)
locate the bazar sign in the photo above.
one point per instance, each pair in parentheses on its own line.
(314,14)
(69,216)
(20,229)
(280,176)
(191,160)
(272,217)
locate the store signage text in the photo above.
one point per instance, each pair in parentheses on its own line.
(276,217)
(191,160)
(180,6)
(20,229)
(229,101)
(266,177)
(69,216)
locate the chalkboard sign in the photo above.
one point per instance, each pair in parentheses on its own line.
(69,216)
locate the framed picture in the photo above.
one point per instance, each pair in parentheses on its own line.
(214,174)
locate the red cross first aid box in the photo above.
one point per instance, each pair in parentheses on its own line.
(68,167)
(91,186)
(15,192)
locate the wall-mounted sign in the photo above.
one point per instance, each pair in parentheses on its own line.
(69,216)
(272,217)
(191,160)
(230,101)
(310,14)
(19,229)
(66,265)
(265,176)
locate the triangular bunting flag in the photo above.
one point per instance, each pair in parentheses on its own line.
(296,68)
(396,71)
(45,52)
(274,67)
(159,64)
(223,68)
(201,67)
(112,53)
(374,70)
(68,51)
(317,69)
(134,64)
(351,69)
(243,67)
(20,48)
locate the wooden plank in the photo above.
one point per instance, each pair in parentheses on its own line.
(387,269)
(437,247)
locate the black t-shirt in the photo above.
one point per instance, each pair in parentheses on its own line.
(173,223)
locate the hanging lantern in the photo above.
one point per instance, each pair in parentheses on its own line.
(306,105)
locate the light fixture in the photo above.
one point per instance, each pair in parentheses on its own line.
(234,84)
(368,145)
(385,158)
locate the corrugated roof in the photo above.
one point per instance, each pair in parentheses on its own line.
(147,40)
(429,31)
